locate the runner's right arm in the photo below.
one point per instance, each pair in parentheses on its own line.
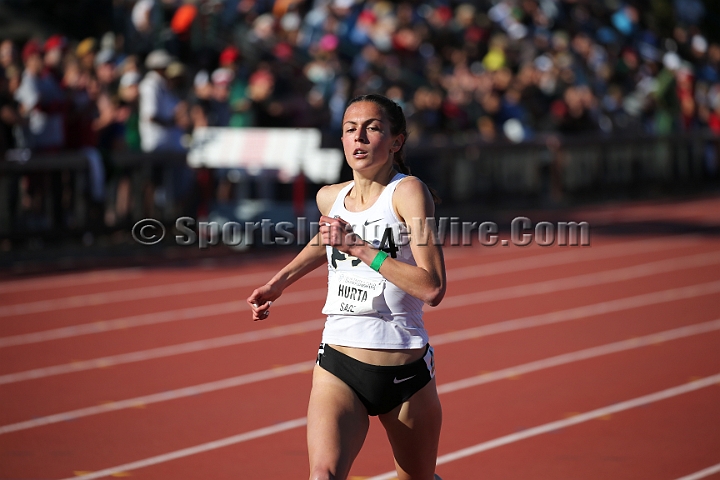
(309,258)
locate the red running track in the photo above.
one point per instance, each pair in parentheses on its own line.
(553,363)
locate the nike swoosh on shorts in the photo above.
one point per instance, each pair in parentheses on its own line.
(395,380)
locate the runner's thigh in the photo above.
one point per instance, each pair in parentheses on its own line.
(413,429)
(337,426)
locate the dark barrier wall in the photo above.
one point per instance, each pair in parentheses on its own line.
(70,193)
(568,169)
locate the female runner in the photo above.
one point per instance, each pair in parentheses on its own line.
(383,265)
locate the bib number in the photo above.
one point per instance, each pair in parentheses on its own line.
(352,295)
(387,244)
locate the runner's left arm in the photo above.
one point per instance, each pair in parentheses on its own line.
(414,204)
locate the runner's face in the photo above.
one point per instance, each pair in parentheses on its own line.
(367,140)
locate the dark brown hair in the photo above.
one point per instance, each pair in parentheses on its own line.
(398,125)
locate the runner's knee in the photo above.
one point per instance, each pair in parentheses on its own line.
(320,473)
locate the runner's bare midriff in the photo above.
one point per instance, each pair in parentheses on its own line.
(382,357)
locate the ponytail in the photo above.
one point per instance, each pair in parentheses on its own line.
(399,162)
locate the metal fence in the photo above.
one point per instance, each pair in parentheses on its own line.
(58,194)
(567,169)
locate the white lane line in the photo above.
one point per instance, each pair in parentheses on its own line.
(574,420)
(702,473)
(299,422)
(609,276)
(139,293)
(276,332)
(161,396)
(592,352)
(161,352)
(254,279)
(69,280)
(585,280)
(124,322)
(204,447)
(609,306)
(155,318)
(572,256)
(583,417)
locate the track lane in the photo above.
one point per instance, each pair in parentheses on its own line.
(127,380)
(585,371)
(313,343)
(488,412)
(10,357)
(654,338)
(175,291)
(71,280)
(660,440)
(303,454)
(141,432)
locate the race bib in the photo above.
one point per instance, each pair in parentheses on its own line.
(351,295)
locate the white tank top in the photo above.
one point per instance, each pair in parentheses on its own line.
(364,309)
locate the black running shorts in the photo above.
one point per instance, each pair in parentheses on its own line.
(379,388)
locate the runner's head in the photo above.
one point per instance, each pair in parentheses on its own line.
(398,125)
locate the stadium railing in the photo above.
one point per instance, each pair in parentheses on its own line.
(56,194)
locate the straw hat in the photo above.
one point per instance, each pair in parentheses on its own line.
(158,59)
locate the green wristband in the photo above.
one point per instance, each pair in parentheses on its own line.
(378,260)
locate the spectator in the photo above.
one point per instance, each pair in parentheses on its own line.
(54,49)
(105,69)
(573,113)
(200,100)
(9,114)
(85,53)
(145,19)
(220,111)
(427,114)
(240,104)
(41,102)
(8,54)
(127,138)
(82,110)
(176,81)
(129,94)
(160,110)
(158,127)
(267,106)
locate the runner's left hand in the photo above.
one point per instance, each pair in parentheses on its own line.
(338,233)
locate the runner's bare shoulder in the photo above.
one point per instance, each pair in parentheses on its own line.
(326,196)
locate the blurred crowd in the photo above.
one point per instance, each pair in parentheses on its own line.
(499,69)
